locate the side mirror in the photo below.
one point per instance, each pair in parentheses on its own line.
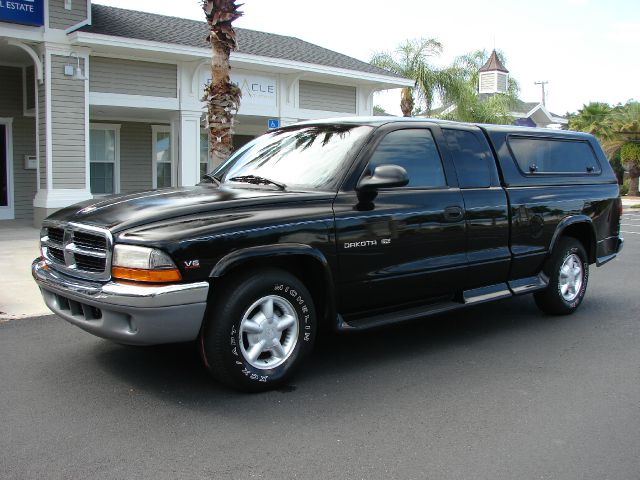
(384,176)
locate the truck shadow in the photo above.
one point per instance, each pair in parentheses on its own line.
(175,372)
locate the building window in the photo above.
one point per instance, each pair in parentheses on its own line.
(104,148)
(162,157)
(205,159)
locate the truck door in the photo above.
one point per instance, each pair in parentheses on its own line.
(405,244)
(486,208)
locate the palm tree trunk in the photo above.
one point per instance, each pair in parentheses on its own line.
(222,96)
(633,186)
(634,173)
(406,101)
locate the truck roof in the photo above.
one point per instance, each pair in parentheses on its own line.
(376,121)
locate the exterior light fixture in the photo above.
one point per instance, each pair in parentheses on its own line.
(71,71)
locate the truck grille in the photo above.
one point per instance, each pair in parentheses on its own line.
(78,250)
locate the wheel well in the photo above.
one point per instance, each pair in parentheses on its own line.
(584,234)
(306,268)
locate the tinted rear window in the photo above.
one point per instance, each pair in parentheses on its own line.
(548,155)
(470,159)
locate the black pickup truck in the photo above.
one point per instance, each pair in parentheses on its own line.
(348,224)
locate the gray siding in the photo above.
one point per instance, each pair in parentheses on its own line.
(327,97)
(24,135)
(63,19)
(67,126)
(115,75)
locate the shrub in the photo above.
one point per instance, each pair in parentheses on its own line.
(630,153)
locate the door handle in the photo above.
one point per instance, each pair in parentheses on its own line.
(453,214)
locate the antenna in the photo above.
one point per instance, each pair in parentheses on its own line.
(542,84)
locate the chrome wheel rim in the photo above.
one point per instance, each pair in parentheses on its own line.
(268,332)
(571,277)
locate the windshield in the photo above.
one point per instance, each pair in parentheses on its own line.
(308,157)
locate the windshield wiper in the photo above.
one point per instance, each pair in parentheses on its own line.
(213,178)
(257,180)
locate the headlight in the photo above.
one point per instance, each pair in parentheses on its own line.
(143,264)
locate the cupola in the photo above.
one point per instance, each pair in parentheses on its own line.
(494,77)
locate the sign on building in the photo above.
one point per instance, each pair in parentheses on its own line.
(26,12)
(273,123)
(257,89)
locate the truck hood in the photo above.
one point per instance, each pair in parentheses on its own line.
(121,212)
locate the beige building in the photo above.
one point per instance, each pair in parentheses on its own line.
(96,100)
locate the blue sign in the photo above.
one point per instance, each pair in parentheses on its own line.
(26,12)
(273,123)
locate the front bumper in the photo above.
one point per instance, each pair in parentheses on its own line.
(125,313)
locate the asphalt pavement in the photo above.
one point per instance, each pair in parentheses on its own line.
(498,391)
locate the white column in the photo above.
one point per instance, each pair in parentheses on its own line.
(188,147)
(63,178)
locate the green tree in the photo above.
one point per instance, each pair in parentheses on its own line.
(630,157)
(458,86)
(596,118)
(222,96)
(411,60)
(618,131)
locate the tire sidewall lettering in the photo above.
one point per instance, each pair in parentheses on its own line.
(305,336)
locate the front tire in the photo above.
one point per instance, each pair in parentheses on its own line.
(568,271)
(258,330)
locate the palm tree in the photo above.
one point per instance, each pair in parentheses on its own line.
(458,87)
(596,118)
(627,123)
(630,157)
(222,96)
(618,130)
(411,60)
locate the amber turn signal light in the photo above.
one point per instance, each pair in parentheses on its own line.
(143,275)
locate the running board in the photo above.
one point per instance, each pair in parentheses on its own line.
(469,297)
(529,284)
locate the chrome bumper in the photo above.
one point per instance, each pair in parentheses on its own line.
(125,313)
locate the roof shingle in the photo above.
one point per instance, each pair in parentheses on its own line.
(160,28)
(493,64)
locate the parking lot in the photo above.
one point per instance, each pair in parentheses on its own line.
(498,391)
(631,222)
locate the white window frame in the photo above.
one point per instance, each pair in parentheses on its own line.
(8,212)
(28,112)
(116,167)
(155,129)
(204,131)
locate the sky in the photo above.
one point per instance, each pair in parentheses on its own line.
(588,50)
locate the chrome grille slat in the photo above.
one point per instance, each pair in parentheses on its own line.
(78,250)
(89,252)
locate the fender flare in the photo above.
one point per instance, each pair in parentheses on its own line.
(243,255)
(573,220)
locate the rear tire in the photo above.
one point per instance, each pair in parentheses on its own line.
(568,272)
(258,330)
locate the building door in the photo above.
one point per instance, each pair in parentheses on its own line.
(6,172)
